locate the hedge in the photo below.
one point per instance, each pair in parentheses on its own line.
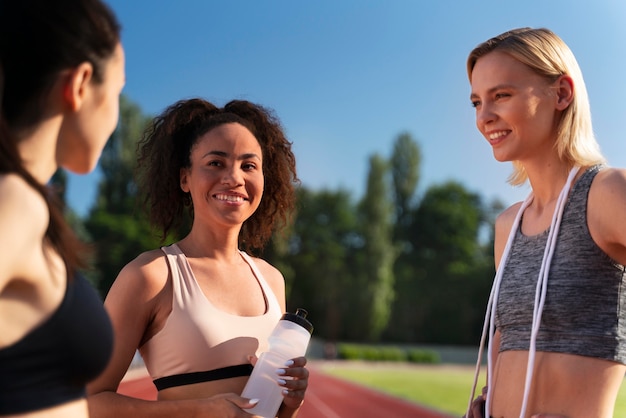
(386,353)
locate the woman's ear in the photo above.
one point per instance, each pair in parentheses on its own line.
(183,180)
(564,91)
(77,85)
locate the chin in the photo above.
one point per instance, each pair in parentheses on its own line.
(81,168)
(500,157)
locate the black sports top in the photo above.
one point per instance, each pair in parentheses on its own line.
(52,364)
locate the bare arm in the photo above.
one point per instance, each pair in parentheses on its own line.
(133,304)
(606,212)
(23,222)
(110,404)
(504,223)
(32,283)
(503,226)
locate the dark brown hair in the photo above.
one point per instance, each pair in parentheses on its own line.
(38,40)
(166,148)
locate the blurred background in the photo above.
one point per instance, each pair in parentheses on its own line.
(392,242)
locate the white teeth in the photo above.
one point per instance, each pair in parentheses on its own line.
(497,135)
(229,198)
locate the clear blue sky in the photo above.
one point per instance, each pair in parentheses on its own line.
(346,77)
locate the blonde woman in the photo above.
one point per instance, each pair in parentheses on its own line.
(557,312)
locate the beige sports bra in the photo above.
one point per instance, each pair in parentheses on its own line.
(199,342)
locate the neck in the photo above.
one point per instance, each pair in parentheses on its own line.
(212,244)
(37,145)
(547,182)
(37,149)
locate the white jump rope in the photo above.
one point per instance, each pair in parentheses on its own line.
(540,296)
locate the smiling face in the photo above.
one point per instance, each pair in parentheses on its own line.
(516,109)
(225,178)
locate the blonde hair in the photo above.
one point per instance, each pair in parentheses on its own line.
(546,54)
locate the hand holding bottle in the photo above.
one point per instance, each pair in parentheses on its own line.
(294,378)
(279,374)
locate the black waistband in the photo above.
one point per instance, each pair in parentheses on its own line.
(198,377)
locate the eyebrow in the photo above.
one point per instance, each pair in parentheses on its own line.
(494,88)
(246,156)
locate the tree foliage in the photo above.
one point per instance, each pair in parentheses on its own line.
(321,251)
(376,213)
(118,229)
(405,167)
(444,238)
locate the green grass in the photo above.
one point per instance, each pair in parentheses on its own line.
(443,388)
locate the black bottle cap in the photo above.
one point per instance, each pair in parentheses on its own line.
(299,318)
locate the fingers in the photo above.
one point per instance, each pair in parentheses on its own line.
(477,409)
(294,370)
(248,403)
(228,405)
(294,385)
(296,362)
(294,379)
(252,359)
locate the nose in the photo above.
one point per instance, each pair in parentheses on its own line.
(232,177)
(484,115)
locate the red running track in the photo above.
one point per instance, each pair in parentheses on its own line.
(326,397)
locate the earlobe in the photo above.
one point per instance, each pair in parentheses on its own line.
(77,84)
(564,92)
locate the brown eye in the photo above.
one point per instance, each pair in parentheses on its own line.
(249,166)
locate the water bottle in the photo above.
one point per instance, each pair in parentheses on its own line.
(288,340)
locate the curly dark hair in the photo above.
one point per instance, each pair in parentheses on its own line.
(166,146)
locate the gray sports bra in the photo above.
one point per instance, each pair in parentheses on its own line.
(585,307)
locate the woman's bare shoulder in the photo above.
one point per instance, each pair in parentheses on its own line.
(606,212)
(273,277)
(24,219)
(610,181)
(269,271)
(21,207)
(504,223)
(506,218)
(146,274)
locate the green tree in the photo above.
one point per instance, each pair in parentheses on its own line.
(379,252)
(119,232)
(405,164)
(321,251)
(451,265)
(117,191)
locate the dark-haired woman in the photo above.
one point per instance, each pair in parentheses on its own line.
(200,309)
(61,74)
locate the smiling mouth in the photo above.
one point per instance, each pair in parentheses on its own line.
(497,135)
(229,198)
